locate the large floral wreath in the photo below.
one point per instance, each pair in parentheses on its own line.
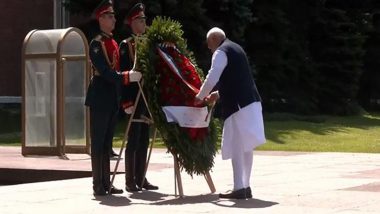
(175,84)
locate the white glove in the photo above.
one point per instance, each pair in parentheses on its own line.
(129,110)
(134,76)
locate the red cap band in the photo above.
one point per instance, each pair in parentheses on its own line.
(103,10)
(135,15)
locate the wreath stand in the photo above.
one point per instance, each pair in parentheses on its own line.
(144,119)
(178,179)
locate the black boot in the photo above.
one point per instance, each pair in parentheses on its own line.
(107,177)
(148,186)
(130,183)
(115,190)
(99,191)
(141,180)
(97,183)
(113,154)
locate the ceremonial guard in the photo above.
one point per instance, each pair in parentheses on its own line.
(103,96)
(138,136)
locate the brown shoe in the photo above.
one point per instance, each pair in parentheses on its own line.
(237,194)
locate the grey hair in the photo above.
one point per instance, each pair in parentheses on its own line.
(216,31)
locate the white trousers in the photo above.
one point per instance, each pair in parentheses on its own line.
(245,129)
(242,167)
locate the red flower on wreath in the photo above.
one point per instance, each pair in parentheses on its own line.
(179,83)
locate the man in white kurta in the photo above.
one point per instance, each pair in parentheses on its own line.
(243,128)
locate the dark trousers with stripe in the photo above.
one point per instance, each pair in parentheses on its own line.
(137,147)
(102,127)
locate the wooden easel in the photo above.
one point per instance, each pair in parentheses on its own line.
(178,180)
(143,119)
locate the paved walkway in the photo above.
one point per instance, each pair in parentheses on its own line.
(283,182)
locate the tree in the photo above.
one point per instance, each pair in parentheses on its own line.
(303,83)
(369,92)
(278,49)
(337,48)
(364,15)
(233,16)
(192,17)
(265,47)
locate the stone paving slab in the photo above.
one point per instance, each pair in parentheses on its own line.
(282,182)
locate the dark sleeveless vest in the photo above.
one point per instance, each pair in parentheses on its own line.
(236,86)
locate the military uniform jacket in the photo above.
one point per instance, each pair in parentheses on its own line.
(104,90)
(127,57)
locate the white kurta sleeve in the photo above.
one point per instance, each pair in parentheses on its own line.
(218,63)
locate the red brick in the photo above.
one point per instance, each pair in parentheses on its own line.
(17,18)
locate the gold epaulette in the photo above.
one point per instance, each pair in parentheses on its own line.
(127,40)
(131,49)
(98,38)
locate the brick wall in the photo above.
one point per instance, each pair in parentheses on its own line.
(17,18)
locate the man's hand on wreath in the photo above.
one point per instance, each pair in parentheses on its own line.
(198,101)
(212,98)
(134,76)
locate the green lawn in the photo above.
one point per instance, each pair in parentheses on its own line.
(284,132)
(324,134)
(10,126)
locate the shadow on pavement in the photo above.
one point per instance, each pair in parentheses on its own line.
(249,203)
(214,199)
(148,196)
(113,200)
(189,200)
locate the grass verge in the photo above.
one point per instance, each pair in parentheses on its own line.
(284,132)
